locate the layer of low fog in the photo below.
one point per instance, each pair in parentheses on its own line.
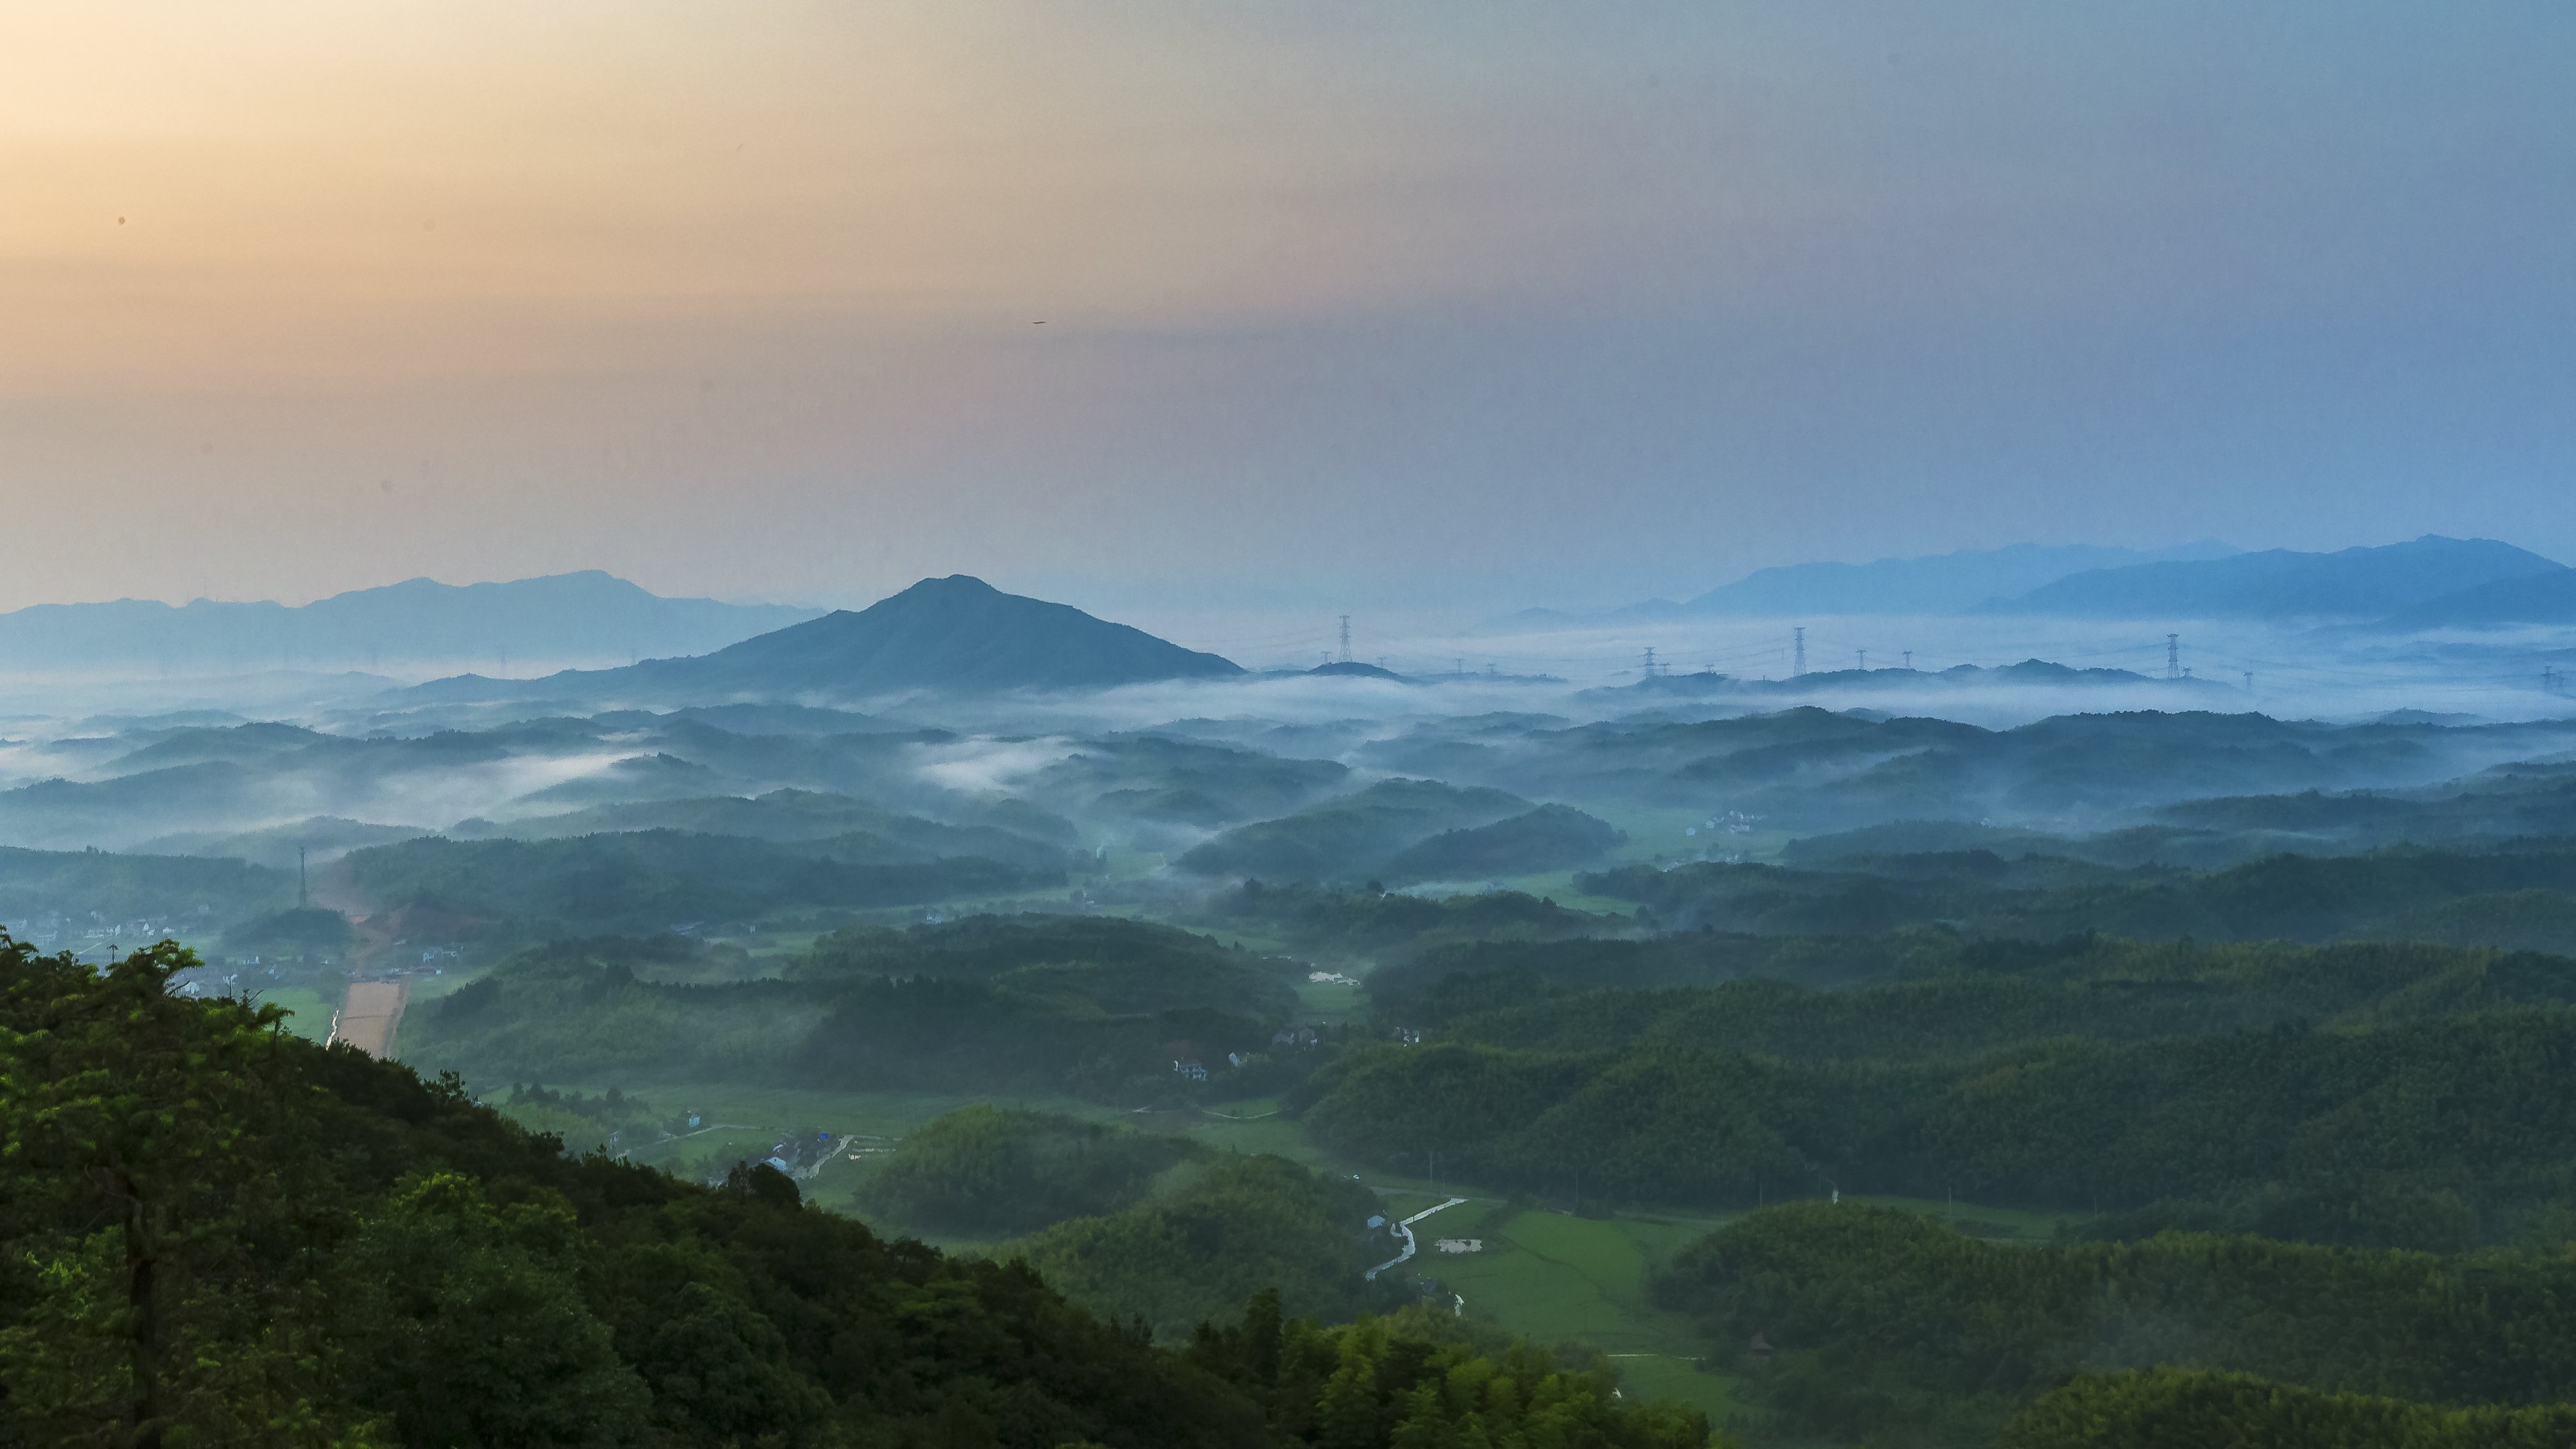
(1554,716)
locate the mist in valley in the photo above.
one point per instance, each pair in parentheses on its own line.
(1311,726)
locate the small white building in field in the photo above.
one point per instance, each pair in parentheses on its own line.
(1460,1245)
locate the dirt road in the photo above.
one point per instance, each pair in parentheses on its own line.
(368,1018)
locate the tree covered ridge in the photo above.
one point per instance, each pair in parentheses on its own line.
(2401,1095)
(2156,1408)
(988,1171)
(1088,1006)
(1881,1320)
(213,1232)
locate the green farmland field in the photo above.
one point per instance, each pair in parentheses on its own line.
(311,1017)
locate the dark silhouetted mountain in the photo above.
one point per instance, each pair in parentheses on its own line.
(563,618)
(2278,584)
(953,635)
(2547,597)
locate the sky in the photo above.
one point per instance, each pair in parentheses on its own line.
(1288,307)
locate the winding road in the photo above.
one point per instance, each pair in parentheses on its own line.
(1405,1228)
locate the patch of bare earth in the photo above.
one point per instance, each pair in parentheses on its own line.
(368,1017)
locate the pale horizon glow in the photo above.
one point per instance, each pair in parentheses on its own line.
(1441,311)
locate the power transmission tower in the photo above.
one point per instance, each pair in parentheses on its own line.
(1909,661)
(303,886)
(1864,661)
(1650,661)
(2249,682)
(1798,656)
(1346,638)
(2173,656)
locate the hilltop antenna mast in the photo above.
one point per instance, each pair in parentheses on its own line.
(1798,659)
(303,886)
(2173,656)
(1909,660)
(1346,638)
(2249,683)
(1864,661)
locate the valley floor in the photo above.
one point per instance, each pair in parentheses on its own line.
(1544,1273)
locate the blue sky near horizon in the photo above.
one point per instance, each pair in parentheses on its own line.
(1423,308)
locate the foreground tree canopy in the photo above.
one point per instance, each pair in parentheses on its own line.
(215,1233)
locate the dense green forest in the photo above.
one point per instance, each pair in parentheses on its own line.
(1366,921)
(1099,1008)
(2158,1408)
(1943,998)
(1119,966)
(1354,836)
(2407,1095)
(213,1232)
(303,932)
(73,885)
(1551,837)
(654,879)
(1232,1226)
(1877,1325)
(2514,894)
(1011,832)
(982,1172)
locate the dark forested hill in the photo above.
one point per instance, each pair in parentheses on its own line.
(2407,1095)
(653,879)
(954,635)
(215,1233)
(1097,1007)
(2521,897)
(1356,835)
(1887,1323)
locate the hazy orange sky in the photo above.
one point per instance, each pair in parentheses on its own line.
(1304,304)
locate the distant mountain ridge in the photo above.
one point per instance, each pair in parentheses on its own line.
(2535,598)
(582,617)
(2285,585)
(1947,583)
(1935,584)
(950,635)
